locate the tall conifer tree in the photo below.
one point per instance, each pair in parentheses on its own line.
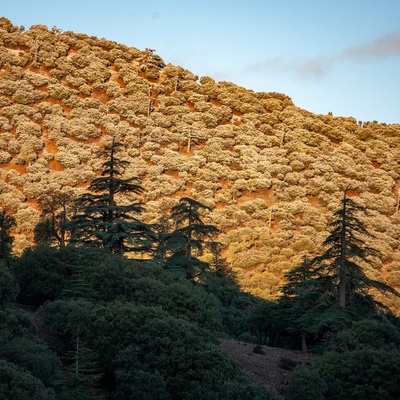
(345,249)
(190,230)
(330,291)
(102,221)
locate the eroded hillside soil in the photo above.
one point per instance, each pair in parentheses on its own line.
(264,367)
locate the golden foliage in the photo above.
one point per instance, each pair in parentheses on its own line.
(271,172)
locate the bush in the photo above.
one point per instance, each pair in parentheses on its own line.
(35,357)
(63,320)
(18,384)
(306,384)
(184,364)
(366,334)
(44,272)
(287,363)
(360,374)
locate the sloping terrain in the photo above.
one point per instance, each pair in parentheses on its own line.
(270,367)
(271,172)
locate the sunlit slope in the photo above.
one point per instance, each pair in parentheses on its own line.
(271,172)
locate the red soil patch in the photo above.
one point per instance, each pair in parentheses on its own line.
(174,174)
(376,164)
(314,201)
(21,169)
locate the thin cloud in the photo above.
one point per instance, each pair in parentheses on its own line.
(384,46)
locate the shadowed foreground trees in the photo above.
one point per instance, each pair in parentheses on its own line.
(362,362)
(327,293)
(149,334)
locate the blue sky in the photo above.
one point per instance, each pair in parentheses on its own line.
(339,56)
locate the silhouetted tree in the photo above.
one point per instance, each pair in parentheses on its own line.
(57,211)
(345,248)
(302,295)
(218,264)
(307,306)
(6,240)
(190,231)
(162,231)
(103,222)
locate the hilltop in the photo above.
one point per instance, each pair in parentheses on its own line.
(271,172)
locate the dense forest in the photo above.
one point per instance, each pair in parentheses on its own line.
(147,213)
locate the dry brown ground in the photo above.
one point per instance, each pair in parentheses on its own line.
(264,368)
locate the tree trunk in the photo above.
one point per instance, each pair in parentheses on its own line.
(343,257)
(342,291)
(303,343)
(121,248)
(189,239)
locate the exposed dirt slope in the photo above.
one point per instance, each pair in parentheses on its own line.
(264,366)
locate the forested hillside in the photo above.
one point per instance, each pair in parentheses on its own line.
(271,173)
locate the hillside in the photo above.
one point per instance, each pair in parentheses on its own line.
(267,365)
(270,171)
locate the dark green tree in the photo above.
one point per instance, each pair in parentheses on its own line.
(183,364)
(190,230)
(308,307)
(18,384)
(6,240)
(366,334)
(29,369)
(57,207)
(367,374)
(8,286)
(101,220)
(302,301)
(188,239)
(82,373)
(330,291)
(345,249)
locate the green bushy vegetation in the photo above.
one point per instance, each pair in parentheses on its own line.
(143,330)
(361,362)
